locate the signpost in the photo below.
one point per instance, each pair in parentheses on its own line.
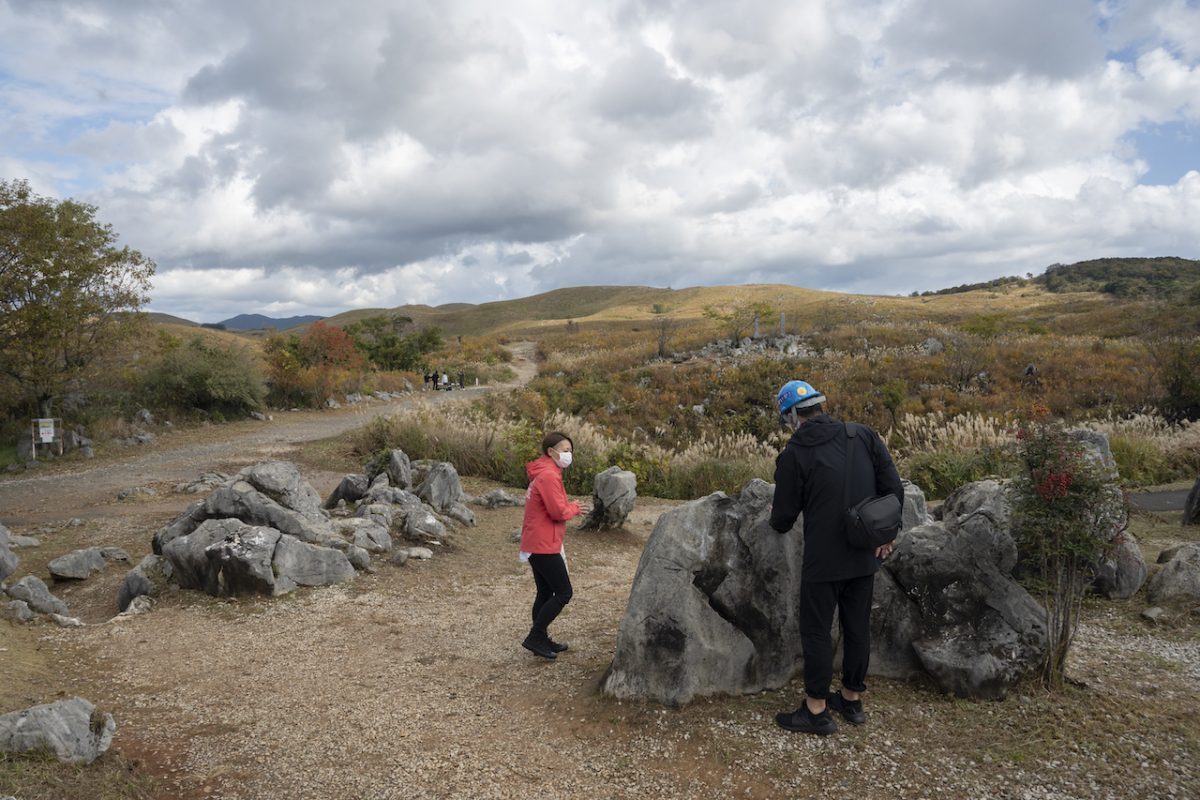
(47,432)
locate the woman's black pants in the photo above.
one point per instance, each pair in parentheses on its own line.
(553,588)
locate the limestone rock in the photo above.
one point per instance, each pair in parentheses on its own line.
(305,564)
(281,481)
(915,512)
(33,591)
(73,730)
(242,561)
(18,611)
(1191,506)
(1097,449)
(613,497)
(1123,571)
(461,514)
(1177,581)
(150,577)
(77,564)
(419,553)
(713,604)
(207,482)
(399,470)
(351,489)
(497,498)
(8,559)
(421,525)
(441,487)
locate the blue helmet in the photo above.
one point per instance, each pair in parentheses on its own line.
(797,394)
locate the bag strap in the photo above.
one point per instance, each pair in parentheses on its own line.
(850,429)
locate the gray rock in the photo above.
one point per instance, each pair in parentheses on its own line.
(441,487)
(1123,571)
(135,492)
(242,561)
(1177,581)
(352,489)
(418,553)
(372,537)
(142,604)
(1191,506)
(713,604)
(613,496)
(18,611)
(461,514)
(987,497)
(73,730)
(149,578)
(1153,614)
(497,498)
(359,558)
(113,554)
(1166,555)
(895,624)
(144,417)
(66,622)
(979,630)
(301,564)
(207,482)
(189,558)
(331,403)
(242,501)
(399,470)
(381,514)
(421,525)
(17,542)
(8,559)
(281,481)
(33,591)
(915,511)
(77,565)
(400,557)
(1097,449)
(932,346)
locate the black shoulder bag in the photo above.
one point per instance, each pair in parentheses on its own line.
(874,521)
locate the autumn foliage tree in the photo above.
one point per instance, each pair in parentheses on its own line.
(66,292)
(309,369)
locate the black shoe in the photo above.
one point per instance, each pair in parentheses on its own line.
(539,645)
(851,710)
(804,721)
(558,647)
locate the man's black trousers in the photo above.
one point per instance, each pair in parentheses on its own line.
(852,599)
(553,588)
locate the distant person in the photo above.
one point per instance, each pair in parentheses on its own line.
(547,510)
(811,478)
(462,379)
(446,380)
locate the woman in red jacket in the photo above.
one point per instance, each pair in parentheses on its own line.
(547,510)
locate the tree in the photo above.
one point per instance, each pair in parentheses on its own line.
(381,339)
(736,319)
(66,291)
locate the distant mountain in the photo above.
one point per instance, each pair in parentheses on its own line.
(256,322)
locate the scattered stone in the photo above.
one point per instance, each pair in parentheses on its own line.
(77,565)
(419,553)
(461,514)
(8,559)
(915,512)
(33,591)
(331,403)
(66,622)
(372,537)
(515,536)
(144,417)
(400,557)
(421,525)
(73,730)
(497,498)
(1177,581)
(135,492)
(18,611)
(16,542)
(148,579)
(1153,614)
(113,554)
(207,482)
(932,346)
(141,604)
(613,497)
(261,417)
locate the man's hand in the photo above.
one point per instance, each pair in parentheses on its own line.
(883,551)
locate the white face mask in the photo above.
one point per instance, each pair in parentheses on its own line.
(564,460)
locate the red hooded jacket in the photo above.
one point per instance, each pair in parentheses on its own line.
(547,508)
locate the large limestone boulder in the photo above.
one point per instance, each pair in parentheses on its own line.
(914,512)
(33,591)
(73,730)
(243,502)
(713,604)
(613,498)
(979,630)
(8,559)
(1178,580)
(988,498)
(298,563)
(188,554)
(243,562)
(79,564)
(441,487)
(1191,506)
(281,481)
(151,577)
(1123,571)
(399,470)
(1097,449)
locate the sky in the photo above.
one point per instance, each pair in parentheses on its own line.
(312,157)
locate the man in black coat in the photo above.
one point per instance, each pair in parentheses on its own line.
(814,476)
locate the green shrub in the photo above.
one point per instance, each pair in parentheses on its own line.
(1141,462)
(218,380)
(940,473)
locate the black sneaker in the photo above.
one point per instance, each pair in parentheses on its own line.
(558,647)
(851,710)
(539,645)
(804,721)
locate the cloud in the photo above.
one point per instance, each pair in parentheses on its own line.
(379,153)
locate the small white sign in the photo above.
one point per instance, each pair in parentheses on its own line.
(45,429)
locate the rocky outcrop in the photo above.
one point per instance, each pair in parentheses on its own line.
(281,481)
(712,609)
(73,730)
(399,470)
(1178,580)
(440,486)
(613,498)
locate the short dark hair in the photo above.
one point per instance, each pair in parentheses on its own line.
(552,439)
(808,412)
